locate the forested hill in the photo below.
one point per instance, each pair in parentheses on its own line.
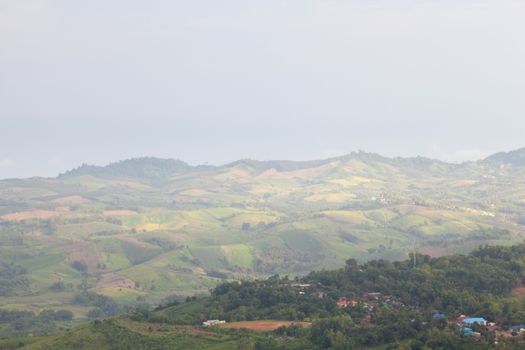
(516,158)
(413,304)
(148,168)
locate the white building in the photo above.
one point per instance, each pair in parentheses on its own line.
(212,323)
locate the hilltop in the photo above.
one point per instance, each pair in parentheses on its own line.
(515,158)
(149,229)
(147,168)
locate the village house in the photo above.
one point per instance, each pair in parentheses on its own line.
(464,320)
(372,295)
(471,333)
(518,328)
(472,320)
(492,327)
(343,303)
(368,307)
(210,323)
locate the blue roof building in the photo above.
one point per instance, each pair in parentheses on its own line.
(464,330)
(472,320)
(438,316)
(468,332)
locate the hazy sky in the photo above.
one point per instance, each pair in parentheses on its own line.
(214,81)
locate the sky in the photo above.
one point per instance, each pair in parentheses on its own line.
(215,81)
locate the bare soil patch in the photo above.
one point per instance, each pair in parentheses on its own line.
(81,252)
(302,173)
(434,252)
(71,200)
(32,214)
(519,291)
(113,280)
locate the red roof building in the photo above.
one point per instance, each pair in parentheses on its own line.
(343,303)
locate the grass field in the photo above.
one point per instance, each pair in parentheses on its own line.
(264,325)
(126,334)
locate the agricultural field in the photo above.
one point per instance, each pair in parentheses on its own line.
(148,230)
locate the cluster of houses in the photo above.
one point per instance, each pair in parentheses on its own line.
(467,326)
(343,303)
(369,302)
(475,326)
(301,287)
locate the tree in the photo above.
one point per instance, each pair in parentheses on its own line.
(80,266)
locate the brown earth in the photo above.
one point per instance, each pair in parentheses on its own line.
(296,173)
(519,291)
(434,252)
(32,214)
(82,252)
(113,280)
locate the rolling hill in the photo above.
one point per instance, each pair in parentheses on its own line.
(150,229)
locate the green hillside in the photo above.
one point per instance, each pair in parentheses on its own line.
(456,302)
(149,230)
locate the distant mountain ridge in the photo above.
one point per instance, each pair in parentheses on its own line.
(146,167)
(516,157)
(157,168)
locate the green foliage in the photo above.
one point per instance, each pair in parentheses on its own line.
(80,266)
(147,168)
(59,287)
(21,323)
(12,278)
(137,254)
(104,306)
